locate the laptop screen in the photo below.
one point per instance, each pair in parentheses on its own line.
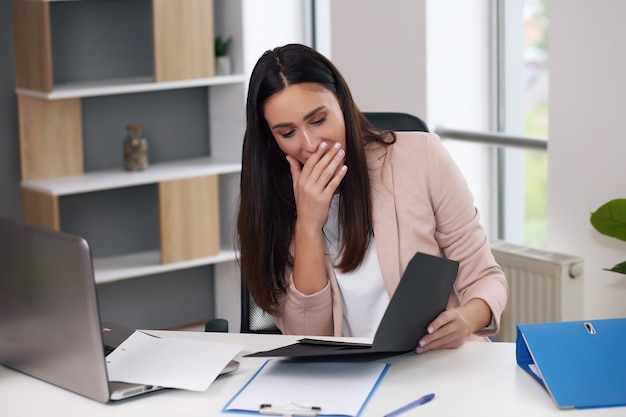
(50,327)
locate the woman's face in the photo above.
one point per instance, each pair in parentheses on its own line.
(302,116)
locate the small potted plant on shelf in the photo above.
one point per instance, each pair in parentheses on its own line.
(222,59)
(610,220)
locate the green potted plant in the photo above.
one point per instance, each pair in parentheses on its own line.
(610,220)
(222,59)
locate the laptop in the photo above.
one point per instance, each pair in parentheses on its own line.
(50,325)
(422,294)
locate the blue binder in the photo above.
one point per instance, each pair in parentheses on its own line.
(582,364)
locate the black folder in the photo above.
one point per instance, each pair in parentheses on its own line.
(422,294)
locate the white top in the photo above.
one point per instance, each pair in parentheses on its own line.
(363,292)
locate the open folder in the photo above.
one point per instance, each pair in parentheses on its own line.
(422,294)
(582,364)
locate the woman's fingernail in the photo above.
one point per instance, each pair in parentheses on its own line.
(430,330)
(337,145)
(341,152)
(323,145)
(419,350)
(422,343)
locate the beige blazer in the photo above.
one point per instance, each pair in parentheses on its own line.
(421,202)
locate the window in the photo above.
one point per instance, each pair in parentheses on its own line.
(536,80)
(493,78)
(523,104)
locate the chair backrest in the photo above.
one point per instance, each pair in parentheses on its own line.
(399,122)
(253,318)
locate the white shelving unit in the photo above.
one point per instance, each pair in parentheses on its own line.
(51,136)
(117,178)
(116,268)
(125,86)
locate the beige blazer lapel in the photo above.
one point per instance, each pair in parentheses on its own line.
(384,214)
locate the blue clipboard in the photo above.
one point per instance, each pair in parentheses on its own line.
(309,388)
(582,364)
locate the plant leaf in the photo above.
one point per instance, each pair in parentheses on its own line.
(222,45)
(621,268)
(610,219)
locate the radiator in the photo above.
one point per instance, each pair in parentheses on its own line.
(543,286)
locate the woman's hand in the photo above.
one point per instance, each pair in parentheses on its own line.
(450,329)
(313,186)
(315,183)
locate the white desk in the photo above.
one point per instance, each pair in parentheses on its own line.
(479,379)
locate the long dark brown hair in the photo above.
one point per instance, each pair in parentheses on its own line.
(267,209)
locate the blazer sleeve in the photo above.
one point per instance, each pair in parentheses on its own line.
(311,315)
(435,214)
(461,236)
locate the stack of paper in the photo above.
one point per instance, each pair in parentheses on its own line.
(169,362)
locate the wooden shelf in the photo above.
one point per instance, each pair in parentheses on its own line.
(139,264)
(125,86)
(60,107)
(111,179)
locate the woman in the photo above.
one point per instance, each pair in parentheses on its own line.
(332,210)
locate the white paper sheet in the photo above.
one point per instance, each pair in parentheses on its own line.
(169,362)
(535,370)
(339,388)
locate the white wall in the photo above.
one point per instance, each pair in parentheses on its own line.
(430,57)
(414,56)
(380,48)
(459,87)
(587,145)
(271,23)
(426,57)
(266,25)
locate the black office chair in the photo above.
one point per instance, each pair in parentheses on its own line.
(253,318)
(399,122)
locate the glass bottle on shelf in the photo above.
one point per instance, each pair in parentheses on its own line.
(135,149)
